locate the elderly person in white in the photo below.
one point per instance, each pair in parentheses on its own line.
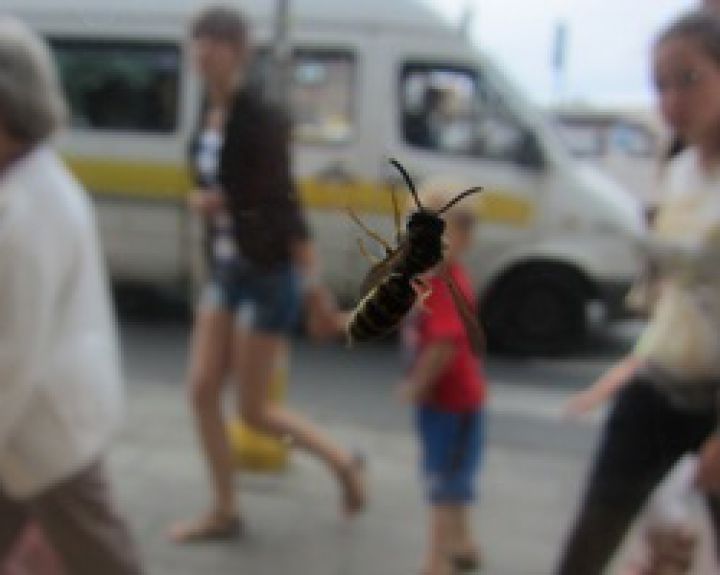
(60,396)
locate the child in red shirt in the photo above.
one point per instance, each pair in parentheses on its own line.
(446,384)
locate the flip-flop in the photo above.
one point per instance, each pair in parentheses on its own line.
(212,527)
(426,572)
(467,561)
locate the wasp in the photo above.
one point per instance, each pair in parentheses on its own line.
(393,284)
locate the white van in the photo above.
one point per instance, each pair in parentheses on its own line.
(372,80)
(627,143)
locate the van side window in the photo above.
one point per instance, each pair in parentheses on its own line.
(120,85)
(322,93)
(452,110)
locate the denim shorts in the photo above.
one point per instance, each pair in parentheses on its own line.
(452,448)
(265,301)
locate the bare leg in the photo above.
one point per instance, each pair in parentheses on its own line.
(209,365)
(256,355)
(465,551)
(437,560)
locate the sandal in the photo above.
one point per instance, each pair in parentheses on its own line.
(447,571)
(354,487)
(212,527)
(468,561)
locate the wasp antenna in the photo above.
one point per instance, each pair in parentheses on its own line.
(408,181)
(459,198)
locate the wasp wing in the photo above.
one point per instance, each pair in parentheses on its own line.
(467,315)
(379,271)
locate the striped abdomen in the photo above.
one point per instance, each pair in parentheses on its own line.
(382,309)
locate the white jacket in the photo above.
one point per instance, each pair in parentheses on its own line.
(60,393)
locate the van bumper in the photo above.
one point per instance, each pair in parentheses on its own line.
(612,295)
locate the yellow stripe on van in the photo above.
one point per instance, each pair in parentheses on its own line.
(492,206)
(157,181)
(364,197)
(141,180)
(502,207)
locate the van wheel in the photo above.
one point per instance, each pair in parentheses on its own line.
(536,310)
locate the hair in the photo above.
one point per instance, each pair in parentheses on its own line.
(674,148)
(702,26)
(32,105)
(222,23)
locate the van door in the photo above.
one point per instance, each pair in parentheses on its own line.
(332,158)
(451,122)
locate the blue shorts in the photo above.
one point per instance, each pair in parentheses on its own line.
(266,301)
(452,448)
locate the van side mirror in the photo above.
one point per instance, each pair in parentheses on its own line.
(529,153)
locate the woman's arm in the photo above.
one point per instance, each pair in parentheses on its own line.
(306,260)
(206,202)
(324,320)
(694,254)
(605,387)
(670,254)
(256,177)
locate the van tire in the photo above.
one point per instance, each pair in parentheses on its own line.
(537,309)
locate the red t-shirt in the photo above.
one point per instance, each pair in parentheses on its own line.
(461,386)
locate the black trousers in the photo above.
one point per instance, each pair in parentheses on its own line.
(643,438)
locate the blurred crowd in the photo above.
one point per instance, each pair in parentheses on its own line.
(60,388)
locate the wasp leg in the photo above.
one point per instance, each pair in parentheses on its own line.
(367,255)
(396,215)
(423,291)
(374,235)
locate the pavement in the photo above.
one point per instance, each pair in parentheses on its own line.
(528,492)
(535,462)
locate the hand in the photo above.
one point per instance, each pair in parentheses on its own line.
(708,473)
(341,321)
(206,202)
(579,404)
(408,392)
(324,320)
